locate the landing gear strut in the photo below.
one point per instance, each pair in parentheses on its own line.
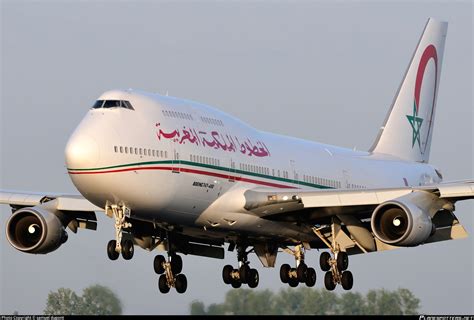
(336,264)
(301,274)
(170,273)
(244,274)
(119,245)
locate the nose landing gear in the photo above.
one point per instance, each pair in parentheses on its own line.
(120,245)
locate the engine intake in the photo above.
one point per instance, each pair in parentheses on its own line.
(35,230)
(404,221)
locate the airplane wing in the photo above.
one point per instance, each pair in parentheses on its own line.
(353,210)
(79,210)
(287,204)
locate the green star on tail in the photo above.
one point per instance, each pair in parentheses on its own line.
(415,123)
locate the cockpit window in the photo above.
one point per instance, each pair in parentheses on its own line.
(98,104)
(112,104)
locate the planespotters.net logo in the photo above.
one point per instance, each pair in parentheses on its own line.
(424,317)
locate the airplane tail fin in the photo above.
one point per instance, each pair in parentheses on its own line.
(408,128)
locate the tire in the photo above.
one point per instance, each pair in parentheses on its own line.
(301,272)
(324,261)
(163,284)
(347,280)
(111,253)
(285,273)
(127,249)
(227,274)
(342,261)
(181,283)
(158,264)
(252,278)
(244,273)
(329,281)
(236,283)
(310,277)
(293,282)
(176,264)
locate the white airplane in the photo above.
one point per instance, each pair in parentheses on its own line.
(182,177)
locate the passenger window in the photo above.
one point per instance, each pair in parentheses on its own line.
(121,149)
(126,150)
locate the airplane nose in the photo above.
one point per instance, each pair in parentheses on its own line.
(82,151)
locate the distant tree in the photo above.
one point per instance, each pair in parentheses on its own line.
(307,301)
(63,302)
(100,300)
(198,308)
(95,300)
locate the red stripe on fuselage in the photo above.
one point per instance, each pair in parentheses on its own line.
(206,173)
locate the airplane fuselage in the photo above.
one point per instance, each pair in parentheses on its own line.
(169,160)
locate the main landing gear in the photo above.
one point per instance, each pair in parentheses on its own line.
(336,270)
(335,264)
(244,274)
(301,274)
(119,245)
(170,273)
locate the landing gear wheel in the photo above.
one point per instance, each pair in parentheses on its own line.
(176,264)
(293,282)
(227,274)
(158,264)
(236,283)
(163,284)
(347,281)
(301,272)
(252,278)
(285,273)
(310,277)
(329,281)
(244,272)
(342,261)
(181,283)
(113,255)
(324,261)
(127,249)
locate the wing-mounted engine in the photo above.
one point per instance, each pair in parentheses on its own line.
(35,230)
(407,221)
(41,229)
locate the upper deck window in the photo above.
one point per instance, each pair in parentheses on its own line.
(112,104)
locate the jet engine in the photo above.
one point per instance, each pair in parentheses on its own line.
(405,221)
(35,230)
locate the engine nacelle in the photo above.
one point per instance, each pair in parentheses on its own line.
(35,230)
(404,221)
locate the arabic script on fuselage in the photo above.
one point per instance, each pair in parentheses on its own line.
(214,139)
